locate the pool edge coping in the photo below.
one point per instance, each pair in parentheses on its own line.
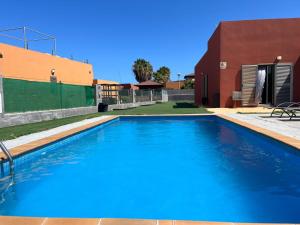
(266,132)
(35,145)
(15,220)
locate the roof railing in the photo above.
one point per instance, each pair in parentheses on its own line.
(25,30)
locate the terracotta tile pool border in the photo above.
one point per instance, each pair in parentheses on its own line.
(14,220)
(172,115)
(31,146)
(26,148)
(35,145)
(274,135)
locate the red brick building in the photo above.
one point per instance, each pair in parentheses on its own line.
(240,53)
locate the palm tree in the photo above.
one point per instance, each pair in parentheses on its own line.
(142,70)
(162,75)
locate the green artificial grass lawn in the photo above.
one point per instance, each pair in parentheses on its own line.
(7,133)
(159,108)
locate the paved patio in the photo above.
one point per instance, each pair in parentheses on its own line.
(259,109)
(284,126)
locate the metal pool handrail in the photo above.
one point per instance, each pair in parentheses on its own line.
(9,158)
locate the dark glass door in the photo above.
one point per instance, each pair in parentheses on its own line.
(268,90)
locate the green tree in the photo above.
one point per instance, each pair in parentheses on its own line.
(162,75)
(142,70)
(188,84)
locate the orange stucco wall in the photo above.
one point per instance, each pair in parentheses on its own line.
(105,82)
(174,85)
(19,63)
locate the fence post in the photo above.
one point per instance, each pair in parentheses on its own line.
(118,98)
(164,95)
(1,96)
(151,95)
(60,95)
(133,96)
(98,95)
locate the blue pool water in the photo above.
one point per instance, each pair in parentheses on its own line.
(192,168)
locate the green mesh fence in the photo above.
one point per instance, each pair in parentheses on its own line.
(22,96)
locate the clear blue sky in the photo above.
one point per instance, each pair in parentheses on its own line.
(111,34)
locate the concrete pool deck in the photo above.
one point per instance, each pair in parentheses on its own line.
(259,109)
(284,126)
(281,129)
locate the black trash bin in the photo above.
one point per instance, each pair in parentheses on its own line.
(102,107)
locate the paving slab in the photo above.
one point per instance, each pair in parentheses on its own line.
(283,126)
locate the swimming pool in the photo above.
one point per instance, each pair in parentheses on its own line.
(192,168)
